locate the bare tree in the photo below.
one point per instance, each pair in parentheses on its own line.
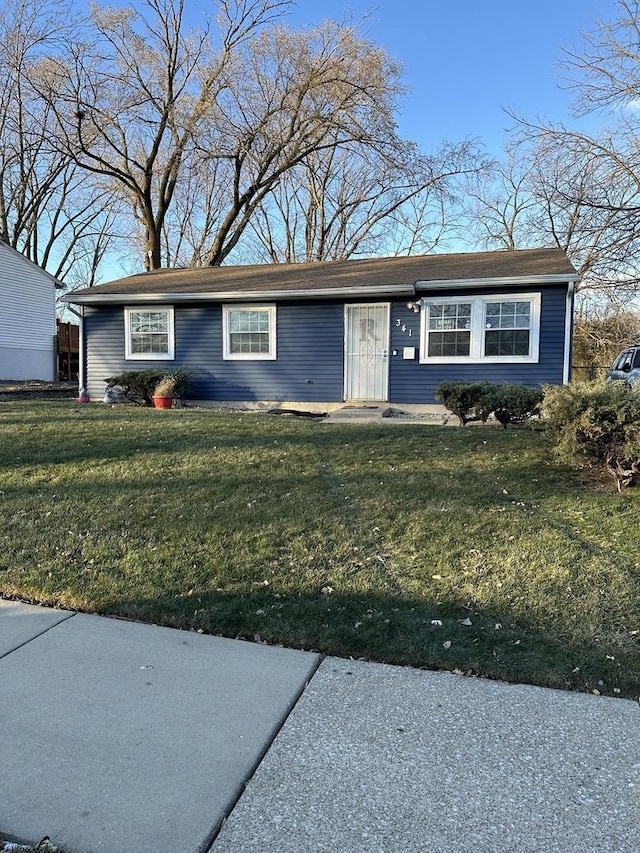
(544,193)
(586,186)
(195,130)
(133,95)
(206,140)
(295,104)
(48,210)
(500,201)
(355,200)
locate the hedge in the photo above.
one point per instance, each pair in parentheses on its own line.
(475,401)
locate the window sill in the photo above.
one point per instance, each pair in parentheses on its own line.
(249,357)
(490,359)
(150,357)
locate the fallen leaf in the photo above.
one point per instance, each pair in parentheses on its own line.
(446,644)
(466,621)
(436,622)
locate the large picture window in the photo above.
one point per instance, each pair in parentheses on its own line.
(249,331)
(484,328)
(149,333)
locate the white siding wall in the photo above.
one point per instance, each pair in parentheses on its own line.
(27,318)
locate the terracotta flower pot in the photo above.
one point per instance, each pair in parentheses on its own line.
(163,402)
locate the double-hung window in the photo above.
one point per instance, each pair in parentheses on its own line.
(507,328)
(148,333)
(449,329)
(481,329)
(249,331)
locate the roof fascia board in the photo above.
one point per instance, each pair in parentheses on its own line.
(238,295)
(498,281)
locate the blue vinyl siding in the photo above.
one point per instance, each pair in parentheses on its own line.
(308,367)
(310,347)
(412,382)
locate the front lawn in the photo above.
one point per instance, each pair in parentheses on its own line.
(439,547)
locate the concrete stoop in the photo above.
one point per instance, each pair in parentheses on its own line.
(361,413)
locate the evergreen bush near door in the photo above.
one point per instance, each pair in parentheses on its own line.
(475,401)
(514,404)
(469,401)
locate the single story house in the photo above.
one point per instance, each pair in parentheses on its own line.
(317,335)
(28,318)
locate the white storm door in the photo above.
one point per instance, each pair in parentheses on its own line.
(366,352)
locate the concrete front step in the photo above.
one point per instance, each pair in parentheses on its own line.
(361,413)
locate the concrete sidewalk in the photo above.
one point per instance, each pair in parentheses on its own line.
(130,738)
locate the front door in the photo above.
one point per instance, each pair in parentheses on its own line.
(366,352)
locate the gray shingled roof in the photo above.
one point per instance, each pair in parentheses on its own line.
(372,276)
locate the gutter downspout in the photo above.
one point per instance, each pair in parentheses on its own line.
(81,365)
(568,332)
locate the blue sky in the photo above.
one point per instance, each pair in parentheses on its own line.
(466,60)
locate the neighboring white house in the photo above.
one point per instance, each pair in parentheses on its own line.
(27,318)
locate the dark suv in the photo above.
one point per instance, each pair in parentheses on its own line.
(626,366)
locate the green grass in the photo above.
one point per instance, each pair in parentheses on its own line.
(355,540)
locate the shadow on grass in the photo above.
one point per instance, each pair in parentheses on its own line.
(68,434)
(398,630)
(325,537)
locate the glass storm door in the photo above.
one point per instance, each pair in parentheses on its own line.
(366,352)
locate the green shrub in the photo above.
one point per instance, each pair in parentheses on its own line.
(514,403)
(597,422)
(469,401)
(143,382)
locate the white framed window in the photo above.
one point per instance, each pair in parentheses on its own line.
(249,331)
(500,328)
(449,329)
(148,333)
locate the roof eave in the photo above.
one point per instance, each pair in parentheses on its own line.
(493,281)
(238,295)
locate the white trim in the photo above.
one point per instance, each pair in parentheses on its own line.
(495,281)
(97,298)
(82,365)
(227,355)
(239,295)
(568,327)
(149,356)
(478,324)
